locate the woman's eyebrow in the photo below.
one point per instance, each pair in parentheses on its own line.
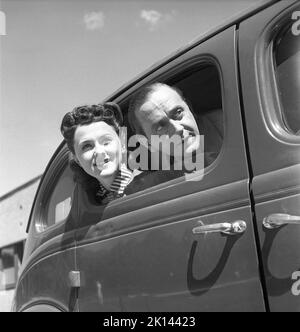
(85,140)
(106,136)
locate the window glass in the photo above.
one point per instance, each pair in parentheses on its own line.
(287,62)
(10,261)
(59,204)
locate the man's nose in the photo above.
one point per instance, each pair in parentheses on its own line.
(175,128)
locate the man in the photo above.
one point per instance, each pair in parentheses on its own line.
(160,113)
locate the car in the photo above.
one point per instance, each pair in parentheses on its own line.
(227,242)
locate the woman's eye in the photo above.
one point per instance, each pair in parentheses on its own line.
(107,142)
(86,147)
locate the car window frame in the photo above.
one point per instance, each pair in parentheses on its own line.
(281,34)
(272,108)
(56,167)
(176,71)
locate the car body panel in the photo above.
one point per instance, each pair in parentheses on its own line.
(276,174)
(47,282)
(156,261)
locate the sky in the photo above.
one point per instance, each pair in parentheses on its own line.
(59,54)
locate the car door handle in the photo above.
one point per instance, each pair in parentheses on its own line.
(229,228)
(276,220)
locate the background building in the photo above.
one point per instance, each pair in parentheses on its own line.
(15,208)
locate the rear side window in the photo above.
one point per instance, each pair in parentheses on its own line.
(60,202)
(10,261)
(57,198)
(287,68)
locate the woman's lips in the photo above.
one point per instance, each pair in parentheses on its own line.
(102,164)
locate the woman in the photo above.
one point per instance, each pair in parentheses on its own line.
(91,133)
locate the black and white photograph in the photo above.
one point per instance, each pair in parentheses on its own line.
(149,158)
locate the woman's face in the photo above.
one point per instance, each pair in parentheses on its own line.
(98,150)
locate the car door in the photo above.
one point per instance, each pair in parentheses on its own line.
(162,249)
(269,52)
(45,282)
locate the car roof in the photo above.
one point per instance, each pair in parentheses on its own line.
(258,6)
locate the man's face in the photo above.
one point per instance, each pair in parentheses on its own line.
(98,150)
(166,113)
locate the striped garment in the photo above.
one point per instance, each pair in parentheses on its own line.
(122,180)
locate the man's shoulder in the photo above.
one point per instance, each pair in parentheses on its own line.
(148,179)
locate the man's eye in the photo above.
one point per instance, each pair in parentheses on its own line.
(178,113)
(159,129)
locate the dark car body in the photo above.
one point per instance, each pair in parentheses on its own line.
(142,252)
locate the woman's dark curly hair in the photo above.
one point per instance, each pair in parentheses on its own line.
(86,114)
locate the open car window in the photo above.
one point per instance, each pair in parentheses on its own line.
(201,89)
(200,86)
